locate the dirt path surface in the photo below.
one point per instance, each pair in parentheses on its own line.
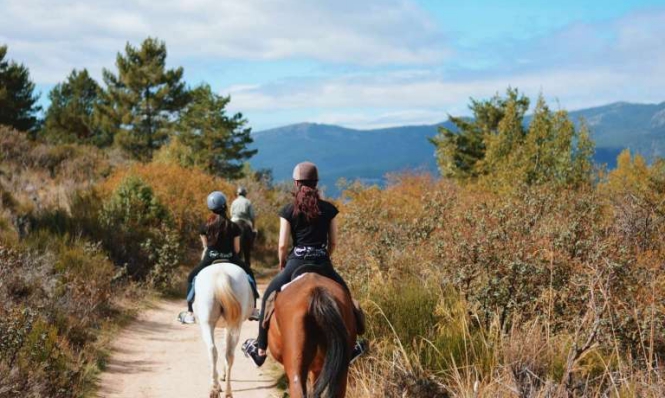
(156,356)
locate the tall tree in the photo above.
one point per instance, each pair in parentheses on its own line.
(141,103)
(459,151)
(17,99)
(218,142)
(70,117)
(497,148)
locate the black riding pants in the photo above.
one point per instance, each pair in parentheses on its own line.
(206,261)
(284,277)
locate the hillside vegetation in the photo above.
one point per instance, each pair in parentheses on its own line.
(527,278)
(370,154)
(85,234)
(525,271)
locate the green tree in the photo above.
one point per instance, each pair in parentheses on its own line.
(70,117)
(460,150)
(17,99)
(496,148)
(141,103)
(218,142)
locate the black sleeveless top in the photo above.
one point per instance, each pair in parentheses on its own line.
(224,243)
(305,233)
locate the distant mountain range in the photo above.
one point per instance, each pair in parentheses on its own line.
(369,154)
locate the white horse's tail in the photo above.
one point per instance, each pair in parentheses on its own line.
(231,307)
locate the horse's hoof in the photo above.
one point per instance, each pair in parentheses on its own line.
(215,392)
(228,395)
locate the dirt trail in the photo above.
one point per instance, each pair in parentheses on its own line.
(156,356)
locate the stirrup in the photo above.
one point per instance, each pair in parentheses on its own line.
(185,317)
(359,349)
(251,350)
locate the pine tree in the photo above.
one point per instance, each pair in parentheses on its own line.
(17,99)
(218,142)
(141,103)
(460,151)
(497,149)
(70,117)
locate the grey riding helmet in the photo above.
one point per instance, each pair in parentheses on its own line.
(217,202)
(305,171)
(242,191)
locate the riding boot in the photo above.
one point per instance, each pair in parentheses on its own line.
(256,292)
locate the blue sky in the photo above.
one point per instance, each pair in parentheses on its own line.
(363,64)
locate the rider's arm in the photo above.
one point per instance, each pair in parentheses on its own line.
(204,242)
(283,248)
(332,236)
(236,244)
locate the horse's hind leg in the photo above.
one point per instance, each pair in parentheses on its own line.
(298,354)
(208,333)
(232,336)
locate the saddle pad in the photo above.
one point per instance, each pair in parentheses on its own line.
(270,303)
(269,309)
(294,279)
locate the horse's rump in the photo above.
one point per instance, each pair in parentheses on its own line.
(231,307)
(320,334)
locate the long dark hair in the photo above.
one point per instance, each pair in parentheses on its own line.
(218,224)
(307,200)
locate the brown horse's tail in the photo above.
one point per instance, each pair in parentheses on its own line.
(231,308)
(324,309)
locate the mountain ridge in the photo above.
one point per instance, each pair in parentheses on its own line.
(368,154)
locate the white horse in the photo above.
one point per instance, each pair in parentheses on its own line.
(223,294)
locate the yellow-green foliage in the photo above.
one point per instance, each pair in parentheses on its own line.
(497,149)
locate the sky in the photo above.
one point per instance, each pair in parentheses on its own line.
(358,63)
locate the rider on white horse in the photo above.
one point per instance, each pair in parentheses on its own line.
(221,241)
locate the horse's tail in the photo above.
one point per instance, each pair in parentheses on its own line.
(231,308)
(329,320)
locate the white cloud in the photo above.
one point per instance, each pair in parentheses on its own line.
(53,37)
(576,67)
(366,121)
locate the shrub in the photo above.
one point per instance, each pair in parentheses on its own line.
(139,230)
(539,290)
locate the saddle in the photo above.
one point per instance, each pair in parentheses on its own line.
(299,272)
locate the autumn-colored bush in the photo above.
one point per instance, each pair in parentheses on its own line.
(182,191)
(57,293)
(546,263)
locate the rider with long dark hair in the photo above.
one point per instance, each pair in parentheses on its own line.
(220,238)
(310,223)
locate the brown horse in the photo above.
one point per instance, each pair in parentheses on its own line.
(246,241)
(312,333)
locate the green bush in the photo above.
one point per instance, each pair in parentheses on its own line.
(138,231)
